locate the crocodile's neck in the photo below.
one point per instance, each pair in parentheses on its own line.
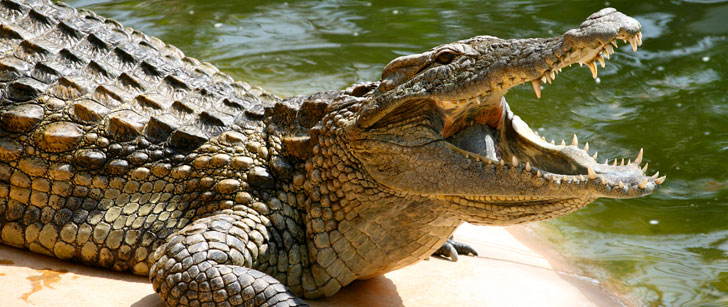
(347,237)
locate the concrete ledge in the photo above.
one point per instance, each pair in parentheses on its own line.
(507,273)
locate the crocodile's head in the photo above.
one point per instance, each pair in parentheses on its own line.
(438,126)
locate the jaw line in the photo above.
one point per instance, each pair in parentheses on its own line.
(570,164)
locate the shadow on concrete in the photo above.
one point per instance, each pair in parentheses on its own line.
(378,291)
(151,300)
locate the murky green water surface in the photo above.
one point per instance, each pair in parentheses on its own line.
(669,249)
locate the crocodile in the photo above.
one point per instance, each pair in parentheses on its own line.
(118,151)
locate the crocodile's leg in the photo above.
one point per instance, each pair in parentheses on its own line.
(211,263)
(451,249)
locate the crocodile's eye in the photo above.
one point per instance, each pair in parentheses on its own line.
(445,57)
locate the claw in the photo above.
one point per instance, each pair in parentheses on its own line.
(660,180)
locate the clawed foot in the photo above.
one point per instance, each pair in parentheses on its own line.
(451,249)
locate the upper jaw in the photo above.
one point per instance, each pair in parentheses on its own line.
(541,59)
(488,67)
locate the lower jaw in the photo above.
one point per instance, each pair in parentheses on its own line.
(503,215)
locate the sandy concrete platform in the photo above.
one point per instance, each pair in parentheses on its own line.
(507,273)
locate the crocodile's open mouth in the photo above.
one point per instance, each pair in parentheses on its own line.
(445,110)
(488,131)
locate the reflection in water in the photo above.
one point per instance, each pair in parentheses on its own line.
(669,98)
(46,278)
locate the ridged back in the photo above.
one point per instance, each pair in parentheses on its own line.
(78,83)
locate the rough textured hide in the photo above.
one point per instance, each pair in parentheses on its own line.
(118,151)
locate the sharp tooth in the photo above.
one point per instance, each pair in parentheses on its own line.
(614,163)
(638,160)
(543,138)
(600,59)
(593,68)
(586,146)
(604,181)
(643,184)
(514,161)
(536,84)
(614,42)
(477,100)
(621,184)
(621,163)
(629,161)
(660,180)
(608,50)
(606,161)
(633,42)
(644,169)
(581,177)
(639,38)
(528,166)
(591,173)
(563,143)
(595,155)
(552,142)
(575,141)
(502,163)
(544,79)
(656,174)
(538,173)
(553,75)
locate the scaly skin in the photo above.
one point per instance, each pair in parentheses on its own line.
(118,151)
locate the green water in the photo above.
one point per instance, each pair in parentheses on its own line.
(669,249)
